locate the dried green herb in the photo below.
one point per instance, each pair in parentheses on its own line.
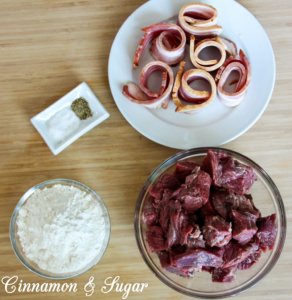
(81,108)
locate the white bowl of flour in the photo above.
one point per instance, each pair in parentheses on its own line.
(60,229)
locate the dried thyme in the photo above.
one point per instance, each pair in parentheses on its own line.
(81,108)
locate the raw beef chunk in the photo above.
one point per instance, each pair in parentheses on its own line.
(211,166)
(247,207)
(183,169)
(207,210)
(156,190)
(244,227)
(150,216)
(155,239)
(228,173)
(218,251)
(224,202)
(164,217)
(166,264)
(167,194)
(195,192)
(198,258)
(187,227)
(235,253)
(224,275)
(267,232)
(159,204)
(195,239)
(176,224)
(166,182)
(173,233)
(249,261)
(216,231)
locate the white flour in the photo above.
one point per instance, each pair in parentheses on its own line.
(61,228)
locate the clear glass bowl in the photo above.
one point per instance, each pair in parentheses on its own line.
(266,198)
(16,245)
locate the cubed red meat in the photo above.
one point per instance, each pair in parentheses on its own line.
(195,193)
(244,227)
(175,251)
(186,227)
(224,274)
(164,217)
(235,253)
(219,251)
(156,190)
(183,169)
(249,261)
(150,215)
(212,167)
(159,204)
(207,210)
(216,231)
(173,234)
(195,242)
(166,264)
(228,173)
(155,239)
(267,232)
(167,181)
(195,238)
(247,207)
(197,258)
(225,201)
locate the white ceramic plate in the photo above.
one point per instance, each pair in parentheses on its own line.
(99,114)
(217,124)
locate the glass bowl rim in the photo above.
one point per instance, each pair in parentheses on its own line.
(190,152)
(26,196)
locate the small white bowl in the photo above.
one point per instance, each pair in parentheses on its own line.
(99,114)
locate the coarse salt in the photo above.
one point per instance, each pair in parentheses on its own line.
(62,228)
(63,124)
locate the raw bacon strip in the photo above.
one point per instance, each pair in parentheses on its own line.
(169,43)
(207,65)
(240,64)
(177,82)
(143,82)
(230,46)
(142,95)
(188,93)
(199,20)
(181,85)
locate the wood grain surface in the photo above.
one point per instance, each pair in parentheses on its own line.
(49,47)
